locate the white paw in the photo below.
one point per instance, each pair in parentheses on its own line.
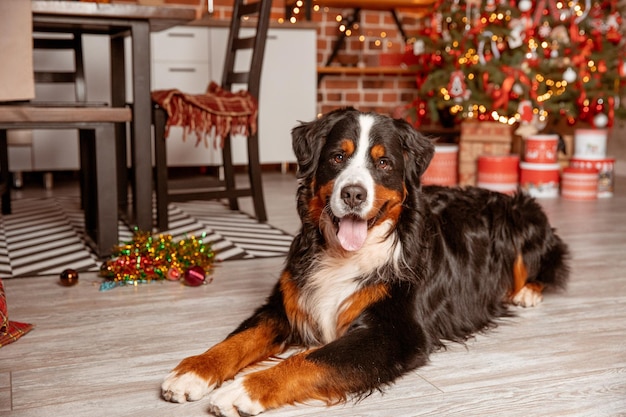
(185,387)
(527,297)
(232,400)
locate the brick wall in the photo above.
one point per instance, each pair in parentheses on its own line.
(381,93)
(374,38)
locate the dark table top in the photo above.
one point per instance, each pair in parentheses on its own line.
(159,17)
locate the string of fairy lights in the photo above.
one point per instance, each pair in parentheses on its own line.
(344,25)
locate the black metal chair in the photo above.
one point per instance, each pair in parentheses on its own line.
(96,123)
(243,11)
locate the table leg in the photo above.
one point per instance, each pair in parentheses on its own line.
(118,99)
(141,126)
(100,191)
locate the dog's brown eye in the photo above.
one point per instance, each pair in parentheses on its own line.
(383,163)
(339,158)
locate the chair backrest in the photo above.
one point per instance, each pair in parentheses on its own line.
(246,11)
(58,42)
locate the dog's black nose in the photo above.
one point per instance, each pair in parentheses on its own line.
(353,195)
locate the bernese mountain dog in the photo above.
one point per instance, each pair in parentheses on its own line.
(382,273)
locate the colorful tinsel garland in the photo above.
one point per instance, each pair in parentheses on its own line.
(147,258)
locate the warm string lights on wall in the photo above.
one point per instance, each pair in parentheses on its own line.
(347,25)
(297,12)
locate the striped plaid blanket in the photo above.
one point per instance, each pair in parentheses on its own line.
(216,113)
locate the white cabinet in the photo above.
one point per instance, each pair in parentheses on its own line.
(288,87)
(180,59)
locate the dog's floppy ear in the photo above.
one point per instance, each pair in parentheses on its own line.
(418,150)
(309,137)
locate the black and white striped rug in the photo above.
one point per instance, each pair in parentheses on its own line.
(44,236)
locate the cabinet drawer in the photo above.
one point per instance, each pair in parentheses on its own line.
(181,43)
(192,78)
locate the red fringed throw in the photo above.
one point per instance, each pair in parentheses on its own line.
(219,110)
(10,331)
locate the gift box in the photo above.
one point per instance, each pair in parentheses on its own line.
(443,168)
(481,138)
(499,173)
(540,180)
(606,172)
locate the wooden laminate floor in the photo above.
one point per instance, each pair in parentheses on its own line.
(105,353)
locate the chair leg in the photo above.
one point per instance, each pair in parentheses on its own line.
(160,177)
(229,171)
(84,136)
(5,176)
(88,196)
(256,183)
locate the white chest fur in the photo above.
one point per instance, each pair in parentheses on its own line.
(339,275)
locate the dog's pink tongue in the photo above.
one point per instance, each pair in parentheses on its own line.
(352,233)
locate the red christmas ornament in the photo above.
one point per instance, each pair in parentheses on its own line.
(194,276)
(173,274)
(68,278)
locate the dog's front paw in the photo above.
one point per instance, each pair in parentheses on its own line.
(527,297)
(188,386)
(233,400)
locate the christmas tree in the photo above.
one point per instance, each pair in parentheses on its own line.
(522,62)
